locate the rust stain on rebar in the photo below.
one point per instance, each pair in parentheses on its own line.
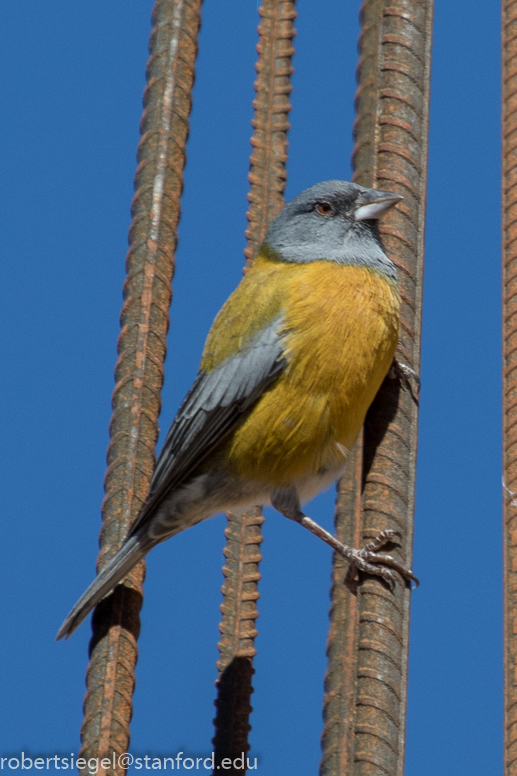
(267,177)
(509,292)
(139,369)
(390,153)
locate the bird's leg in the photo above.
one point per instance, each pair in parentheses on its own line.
(406,375)
(367,559)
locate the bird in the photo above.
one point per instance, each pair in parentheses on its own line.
(291,364)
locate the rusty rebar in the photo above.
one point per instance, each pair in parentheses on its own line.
(391,132)
(238,632)
(509,272)
(139,369)
(339,702)
(267,177)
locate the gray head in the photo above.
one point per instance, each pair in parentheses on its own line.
(333,221)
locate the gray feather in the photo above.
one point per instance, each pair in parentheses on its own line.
(132,551)
(217,401)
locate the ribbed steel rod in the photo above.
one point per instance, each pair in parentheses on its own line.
(267,179)
(139,370)
(509,192)
(267,175)
(368,731)
(339,707)
(238,632)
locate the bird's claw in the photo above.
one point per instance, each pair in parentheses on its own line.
(406,376)
(371,561)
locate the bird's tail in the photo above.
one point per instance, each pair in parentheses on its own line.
(133,550)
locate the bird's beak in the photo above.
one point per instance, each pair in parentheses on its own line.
(373,203)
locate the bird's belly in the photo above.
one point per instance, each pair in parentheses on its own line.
(310,485)
(291,435)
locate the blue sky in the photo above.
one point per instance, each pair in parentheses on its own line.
(72,80)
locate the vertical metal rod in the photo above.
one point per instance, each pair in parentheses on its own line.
(509,197)
(139,370)
(339,706)
(267,179)
(267,175)
(391,132)
(238,632)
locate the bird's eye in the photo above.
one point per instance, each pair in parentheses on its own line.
(324,208)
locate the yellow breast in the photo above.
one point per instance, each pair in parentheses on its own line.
(341,331)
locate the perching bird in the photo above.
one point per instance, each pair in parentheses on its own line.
(291,364)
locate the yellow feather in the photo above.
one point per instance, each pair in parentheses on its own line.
(342,328)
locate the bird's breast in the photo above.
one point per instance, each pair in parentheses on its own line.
(340,330)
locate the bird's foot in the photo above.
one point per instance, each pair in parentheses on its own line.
(367,559)
(406,376)
(371,561)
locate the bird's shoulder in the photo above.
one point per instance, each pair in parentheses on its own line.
(261,297)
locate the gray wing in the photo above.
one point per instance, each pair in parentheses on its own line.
(214,404)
